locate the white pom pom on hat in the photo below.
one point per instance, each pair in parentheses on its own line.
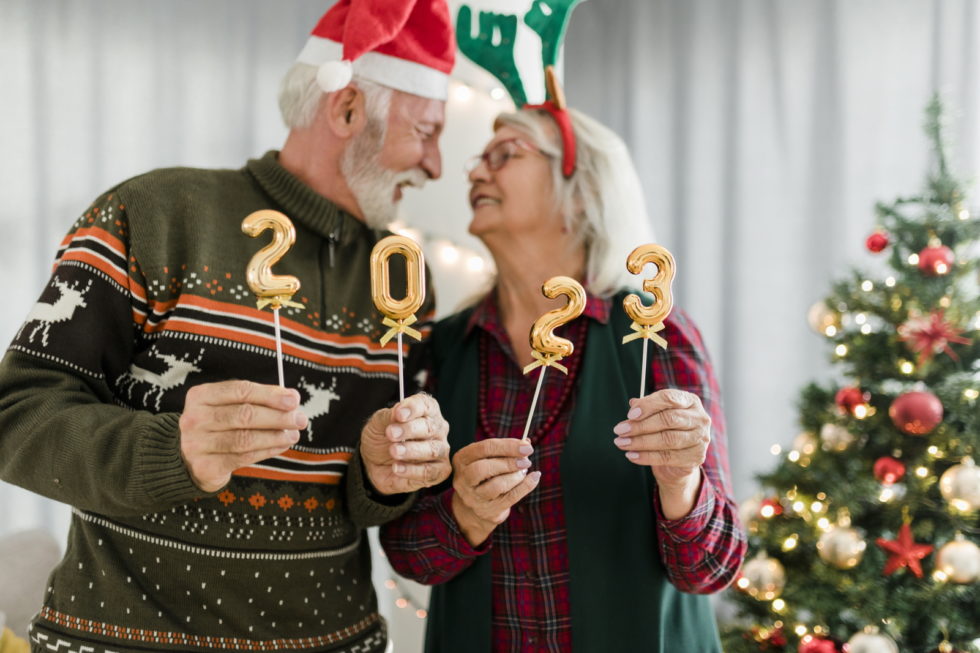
(334,75)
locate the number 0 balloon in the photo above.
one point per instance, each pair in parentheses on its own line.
(399,313)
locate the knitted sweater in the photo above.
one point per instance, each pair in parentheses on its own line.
(147,298)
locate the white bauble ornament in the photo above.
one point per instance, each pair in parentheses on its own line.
(834,437)
(959,560)
(841,546)
(871,641)
(762,577)
(960,485)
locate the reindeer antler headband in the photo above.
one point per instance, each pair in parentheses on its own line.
(549,18)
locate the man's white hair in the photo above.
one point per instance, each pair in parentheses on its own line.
(299,96)
(602,202)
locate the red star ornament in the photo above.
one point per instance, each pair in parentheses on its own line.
(904,552)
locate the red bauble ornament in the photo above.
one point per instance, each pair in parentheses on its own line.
(815,644)
(877,241)
(905,552)
(850,397)
(916,413)
(889,470)
(773,505)
(935,260)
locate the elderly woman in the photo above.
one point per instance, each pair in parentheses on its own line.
(602,531)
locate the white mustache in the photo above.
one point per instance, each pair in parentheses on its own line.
(415,177)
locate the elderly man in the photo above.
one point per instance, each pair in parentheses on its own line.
(213,509)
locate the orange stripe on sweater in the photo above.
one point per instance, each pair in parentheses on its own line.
(176,324)
(306,456)
(279,475)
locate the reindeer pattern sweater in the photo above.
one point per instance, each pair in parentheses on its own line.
(148,298)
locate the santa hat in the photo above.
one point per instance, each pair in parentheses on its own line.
(407,45)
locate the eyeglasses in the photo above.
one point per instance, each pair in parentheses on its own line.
(497,156)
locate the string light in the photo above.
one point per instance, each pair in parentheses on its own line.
(816,506)
(971,394)
(860,318)
(906,367)
(404,599)
(830,331)
(841,350)
(800,630)
(890,282)
(913,259)
(866,329)
(922,472)
(867,285)
(775,449)
(779,605)
(790,542)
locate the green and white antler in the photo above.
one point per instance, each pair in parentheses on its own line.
(549,18)
(496,55)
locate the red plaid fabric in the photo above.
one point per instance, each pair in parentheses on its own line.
(530,575)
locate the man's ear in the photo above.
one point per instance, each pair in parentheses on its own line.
(345,111)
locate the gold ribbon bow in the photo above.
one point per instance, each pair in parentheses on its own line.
(545,360)
(401,326)
(647,331)
(277,302)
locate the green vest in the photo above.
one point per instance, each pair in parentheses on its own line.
(621,599)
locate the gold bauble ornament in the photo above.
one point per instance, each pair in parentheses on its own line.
(960,485)
(834,437)
(959,560)
(823,319)
(805,443)
(871,641)
(762,577)
(841,546)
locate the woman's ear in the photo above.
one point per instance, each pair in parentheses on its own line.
(345,111)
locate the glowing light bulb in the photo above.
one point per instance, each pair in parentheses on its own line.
(921,472)
(449,253)
(867,285)
(775,449)
(475,263)
(841,350)
(971,394)
(890,282)
(462,93)
(830,331)
(779,605)
(913,259)
(906,367)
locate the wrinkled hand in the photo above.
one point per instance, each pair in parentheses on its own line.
(489,477)
(669,431)
(232,424)
(404,448)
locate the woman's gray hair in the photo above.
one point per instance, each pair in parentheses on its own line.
(299,97)
(602,201)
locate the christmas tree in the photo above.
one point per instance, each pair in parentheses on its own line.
(865,536)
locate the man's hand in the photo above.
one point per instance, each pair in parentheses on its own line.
(669,431)
(232,424)
(404,448)
(489,477)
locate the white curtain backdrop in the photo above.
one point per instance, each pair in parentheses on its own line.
(763,131)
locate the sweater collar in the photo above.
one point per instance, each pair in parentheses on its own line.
(302,204)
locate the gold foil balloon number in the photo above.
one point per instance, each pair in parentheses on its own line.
(547,348)
(403,310)
(546,345)
(271,289)
(399,313)
(659,286)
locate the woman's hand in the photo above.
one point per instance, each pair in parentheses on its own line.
(489,477)
(669,431)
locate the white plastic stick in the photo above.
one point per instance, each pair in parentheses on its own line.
(534,401)
(275,314)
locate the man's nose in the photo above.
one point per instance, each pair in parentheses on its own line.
(432,162)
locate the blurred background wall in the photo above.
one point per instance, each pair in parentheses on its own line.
(763,132)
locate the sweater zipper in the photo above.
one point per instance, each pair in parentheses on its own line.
(331,241)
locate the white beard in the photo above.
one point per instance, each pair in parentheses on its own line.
(372,184)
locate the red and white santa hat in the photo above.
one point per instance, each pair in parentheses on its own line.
(407,45)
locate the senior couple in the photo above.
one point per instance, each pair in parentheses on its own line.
(215,511)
